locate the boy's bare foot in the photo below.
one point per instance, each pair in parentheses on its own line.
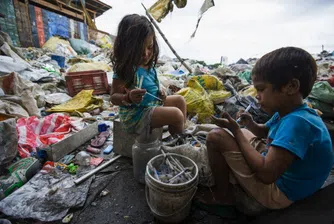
(213,197)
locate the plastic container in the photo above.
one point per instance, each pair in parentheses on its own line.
(141,154)
(90,80)
(83,158)
(59,59)
(170,203)
(194,119)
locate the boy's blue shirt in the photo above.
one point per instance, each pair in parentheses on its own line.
(303,133)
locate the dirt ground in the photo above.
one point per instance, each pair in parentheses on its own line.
(126,203)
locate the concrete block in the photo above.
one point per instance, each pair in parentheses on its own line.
(67,145)
(124,141)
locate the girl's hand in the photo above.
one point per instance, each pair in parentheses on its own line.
(226,122)
(162,95)
(245,118)
(136,95)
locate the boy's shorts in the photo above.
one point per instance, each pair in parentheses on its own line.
(268,195)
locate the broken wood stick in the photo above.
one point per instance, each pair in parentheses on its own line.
(165,39)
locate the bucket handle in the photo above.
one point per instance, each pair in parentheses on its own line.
(163,215)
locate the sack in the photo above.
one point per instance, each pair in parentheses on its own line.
(322,98)
(8,141)
(198,102)
(200,156)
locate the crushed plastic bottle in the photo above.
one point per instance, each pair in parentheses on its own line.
(194,119)
(83,158)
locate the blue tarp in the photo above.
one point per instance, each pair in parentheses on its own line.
(45,24)
(58,25)
(81,30)
(33,26)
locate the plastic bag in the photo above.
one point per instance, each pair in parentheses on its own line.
(52,43)
(249,91)
(323,92)
(160,9)
(322,98)
(245,75)
(51,196)
(80,67)
(82,102)
(213,86)
(83,47)
(218,97)
(208,82)
(201,94)
(13,84)
(105,42)
(198,101)
(59,46)
(12,63)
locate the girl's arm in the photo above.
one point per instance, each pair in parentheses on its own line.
(118,93)
(122,96)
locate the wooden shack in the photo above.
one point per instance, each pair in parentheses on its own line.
(30,23)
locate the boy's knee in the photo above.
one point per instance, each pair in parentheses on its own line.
(215,136)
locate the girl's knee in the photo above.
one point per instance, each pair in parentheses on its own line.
(178,116)
(180,99)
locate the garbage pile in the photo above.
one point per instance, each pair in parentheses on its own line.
(37,114)
(45,104)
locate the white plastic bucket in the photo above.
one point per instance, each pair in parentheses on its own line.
(170,203)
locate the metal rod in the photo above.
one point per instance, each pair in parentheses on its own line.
(165,39)
(97,169)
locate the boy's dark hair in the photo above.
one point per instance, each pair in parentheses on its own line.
(282,65)
(129,47)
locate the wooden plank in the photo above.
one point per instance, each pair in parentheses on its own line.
(71,7)
(62,148)
(56,8)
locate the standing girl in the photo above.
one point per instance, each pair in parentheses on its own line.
(135,82)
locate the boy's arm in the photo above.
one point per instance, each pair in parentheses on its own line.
(289,145)
(267,168)
(259,130)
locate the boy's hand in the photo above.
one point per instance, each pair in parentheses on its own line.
(162,95)
(245,118)
(226,122)
(136,95)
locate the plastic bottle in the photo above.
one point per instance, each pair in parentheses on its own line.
(141,154)
(194,119)
(83,158)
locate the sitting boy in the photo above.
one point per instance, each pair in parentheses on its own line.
(297,157)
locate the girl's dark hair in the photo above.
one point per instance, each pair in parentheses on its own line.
(129,47)
(284,64)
